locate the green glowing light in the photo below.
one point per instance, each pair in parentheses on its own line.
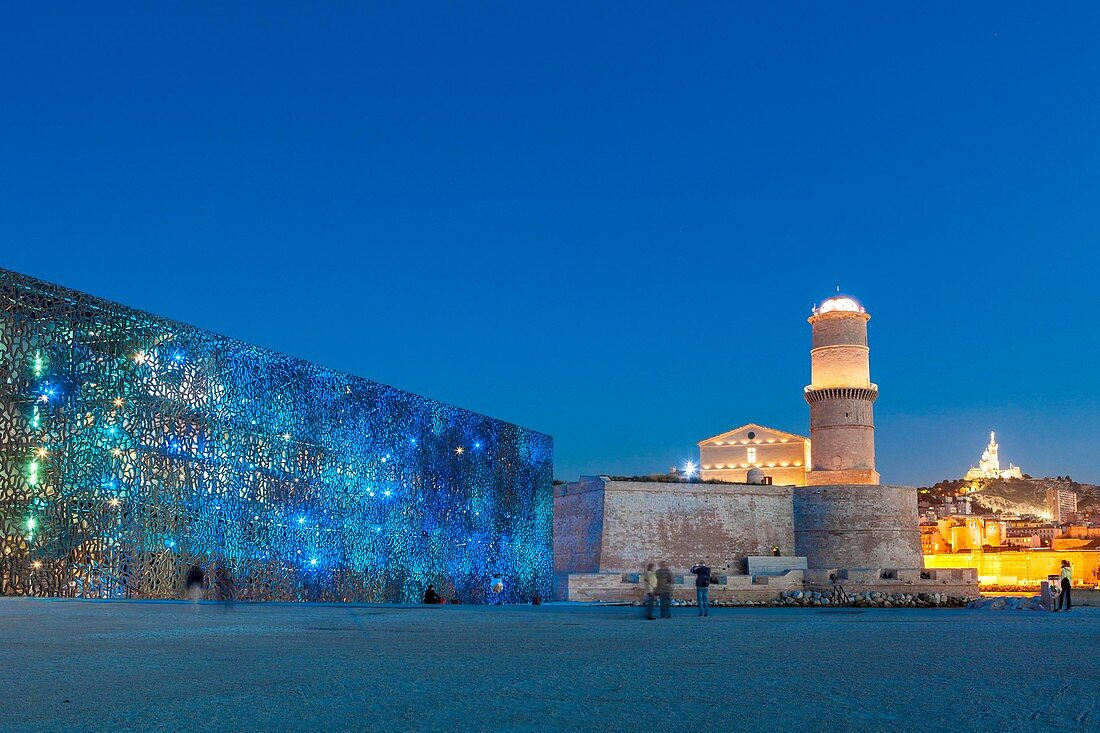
(38,363)
(32,479)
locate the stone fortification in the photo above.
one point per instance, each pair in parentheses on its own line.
(839,525)
(857,526)
(606,526)
(865,537)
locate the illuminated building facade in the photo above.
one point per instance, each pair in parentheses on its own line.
(1061,504)
(730,456)
(990,464)
(134,446)
(963,533)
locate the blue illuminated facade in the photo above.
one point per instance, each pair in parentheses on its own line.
(134,446)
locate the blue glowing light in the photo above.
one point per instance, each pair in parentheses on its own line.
(202,466)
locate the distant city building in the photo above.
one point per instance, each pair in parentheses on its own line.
(990,465)
(1061,504)
(962,534)
(1030,534)
(730,456)
(953,506)
(1077,537)
(973,533)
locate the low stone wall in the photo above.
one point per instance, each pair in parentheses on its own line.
(741,589)
(626,587)
(954,581)
(873,599)
(774,565)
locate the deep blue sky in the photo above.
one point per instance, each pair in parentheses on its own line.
(607,222)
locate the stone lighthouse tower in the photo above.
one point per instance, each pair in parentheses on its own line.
(841,395)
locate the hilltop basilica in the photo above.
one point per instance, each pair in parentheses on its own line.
(990,465)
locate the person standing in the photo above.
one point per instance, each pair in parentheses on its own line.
(649,588)
(702,587)
(195,579)
(664,589)
(224,586)
(1064,601)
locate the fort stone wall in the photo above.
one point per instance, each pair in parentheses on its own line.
(857,526)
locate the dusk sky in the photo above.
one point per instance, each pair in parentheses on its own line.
(607,222)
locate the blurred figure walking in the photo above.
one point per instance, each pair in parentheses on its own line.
(702,587)
(664,589)
(224,587)
(649,589)
(195,579)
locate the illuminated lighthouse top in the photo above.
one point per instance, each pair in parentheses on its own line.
(839,304)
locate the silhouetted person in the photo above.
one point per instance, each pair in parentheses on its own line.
(224,587)
(1064,601)
(702,587)
(649,589)
(195,579)
(430,596)
(664,589)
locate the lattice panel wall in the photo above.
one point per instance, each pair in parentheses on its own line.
(134,446)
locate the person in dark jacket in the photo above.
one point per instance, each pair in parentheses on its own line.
(224,586)
(430,596)
(1064,601)
(702,586)
(649,590)
(194,581)
(664,589)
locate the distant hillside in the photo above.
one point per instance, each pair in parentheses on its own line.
(1014,496)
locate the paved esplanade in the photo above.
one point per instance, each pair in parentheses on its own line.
(86,665)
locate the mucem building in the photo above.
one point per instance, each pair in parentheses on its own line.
(135,446)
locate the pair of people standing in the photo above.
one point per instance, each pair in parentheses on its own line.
(657,584)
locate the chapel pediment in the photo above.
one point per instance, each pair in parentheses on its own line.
(752,433)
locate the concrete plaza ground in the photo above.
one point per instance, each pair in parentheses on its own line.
(146,666)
